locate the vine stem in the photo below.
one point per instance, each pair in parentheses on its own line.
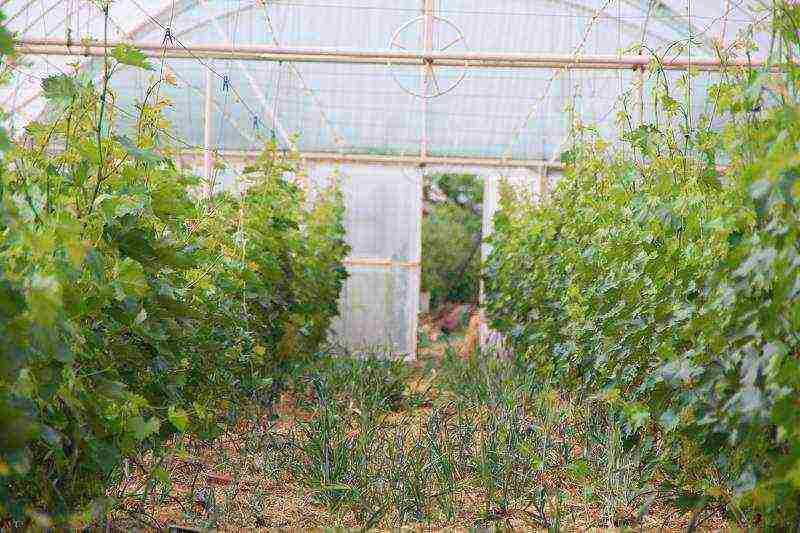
(103,97)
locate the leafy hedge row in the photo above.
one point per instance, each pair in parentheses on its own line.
(452,273)
(673,288)
(132,306)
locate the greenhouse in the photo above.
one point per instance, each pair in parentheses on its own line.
(518,263)
(352,81)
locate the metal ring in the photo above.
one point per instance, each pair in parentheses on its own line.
(393,45)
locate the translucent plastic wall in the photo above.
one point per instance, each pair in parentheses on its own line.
(378,306)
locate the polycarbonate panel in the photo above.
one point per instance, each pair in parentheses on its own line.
(326,117)
(530,110)
(378,307)
(383,212)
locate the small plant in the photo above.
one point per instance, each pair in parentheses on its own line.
(373,383)
(523,457)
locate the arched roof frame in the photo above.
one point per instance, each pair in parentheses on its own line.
(168,9)
(144,29)
(663,17)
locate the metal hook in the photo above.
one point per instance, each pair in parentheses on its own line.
(168,38)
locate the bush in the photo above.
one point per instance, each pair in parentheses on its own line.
(16,427)
(136,308)
(653,280)
(451,238)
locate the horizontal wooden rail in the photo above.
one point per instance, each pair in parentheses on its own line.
(356,261)
(389,159)
(338,55)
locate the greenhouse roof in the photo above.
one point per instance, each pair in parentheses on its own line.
(346,99)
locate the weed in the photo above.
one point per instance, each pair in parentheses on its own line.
(371,443)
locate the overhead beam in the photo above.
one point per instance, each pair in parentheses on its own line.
(435,58)
(208,163)
(240,156)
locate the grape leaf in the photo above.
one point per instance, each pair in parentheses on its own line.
(59,88)
(130,55)
(178,417)
(141,429)
(146,156)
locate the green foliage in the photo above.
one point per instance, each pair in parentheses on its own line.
(451,237)
(16,428)
(671,289)
(134,308)
(6,39)
(374,382)
(472,442)
(126,54)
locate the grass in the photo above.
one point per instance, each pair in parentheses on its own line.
(445,442)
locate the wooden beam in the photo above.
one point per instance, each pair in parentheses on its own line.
(394,160)
(335,55)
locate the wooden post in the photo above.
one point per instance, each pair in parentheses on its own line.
(427,45)
(640,95)
(208,163)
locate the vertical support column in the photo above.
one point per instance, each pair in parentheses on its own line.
(640,95)
(724,24)
(427,45)
(544,182)
(688,73)
(426,71)
(416,259)
(490,198)
(208,163)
